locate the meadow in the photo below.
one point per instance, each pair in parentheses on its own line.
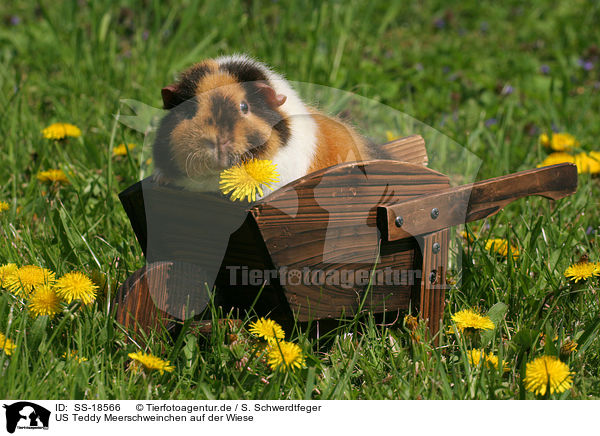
(494,78)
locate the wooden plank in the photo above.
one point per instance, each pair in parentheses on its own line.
(434,250)
(474,201)
(409,149)
(135,308)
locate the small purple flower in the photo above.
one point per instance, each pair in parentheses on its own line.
(545,69)
(555,128)
(484,27)
(445,69)
(586,65)
(419,66)
(589,230)
(440,23)
(532,130)
(145,35)
(507,90)
(490,122)
(443,120)
(15,20)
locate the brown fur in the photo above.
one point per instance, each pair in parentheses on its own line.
(337,142)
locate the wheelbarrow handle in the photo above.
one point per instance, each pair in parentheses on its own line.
(449,207)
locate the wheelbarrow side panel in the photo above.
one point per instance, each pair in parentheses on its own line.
(324,225)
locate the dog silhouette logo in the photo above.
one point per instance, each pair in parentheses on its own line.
(26,415)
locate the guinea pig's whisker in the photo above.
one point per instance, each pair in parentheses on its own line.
(188,162)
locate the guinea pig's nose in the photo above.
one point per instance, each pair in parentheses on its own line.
(222,151)
(223,146)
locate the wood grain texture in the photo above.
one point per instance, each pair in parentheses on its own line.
(432,289)
(474,201)
(409,149)
(325,223)
(135,307)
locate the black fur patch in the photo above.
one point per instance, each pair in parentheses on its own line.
(224,112)
(243,71)
(256,145)
(283,128)
(163,159)
(260,108)
(189,80)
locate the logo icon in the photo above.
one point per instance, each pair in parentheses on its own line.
(26,415)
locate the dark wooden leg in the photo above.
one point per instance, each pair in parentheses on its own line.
(434,248)
(159,294)
(135,307)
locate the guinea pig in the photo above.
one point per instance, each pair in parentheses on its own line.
(230,109)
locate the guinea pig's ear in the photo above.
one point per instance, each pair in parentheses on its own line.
(273,99)
(171,96)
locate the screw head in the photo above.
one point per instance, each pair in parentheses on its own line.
(435,212)
(399,221)
(436,247)
(432,276)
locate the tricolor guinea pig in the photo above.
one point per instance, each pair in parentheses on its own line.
(227,110)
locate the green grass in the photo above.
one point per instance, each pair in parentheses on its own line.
(444,64)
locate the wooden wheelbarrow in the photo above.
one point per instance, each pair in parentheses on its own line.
(355,237)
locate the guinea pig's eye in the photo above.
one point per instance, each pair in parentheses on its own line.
(244,107)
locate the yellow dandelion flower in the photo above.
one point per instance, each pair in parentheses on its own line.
(411,322)
(76,286)
(559,141)
(7,345)
(245,180)
(582,271)
(52,176)
(595,155)
(588,163)
(61,131)
(468,237)
(568,347)
(500,246)
(7,270)
(390,136)
(285,356)
(151,362)
(25,279)
(122,149)
(73,356)
(267,329)
(476,355)
(468,319)
(547,373)
(4,206)
(44,301)
(557,158)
